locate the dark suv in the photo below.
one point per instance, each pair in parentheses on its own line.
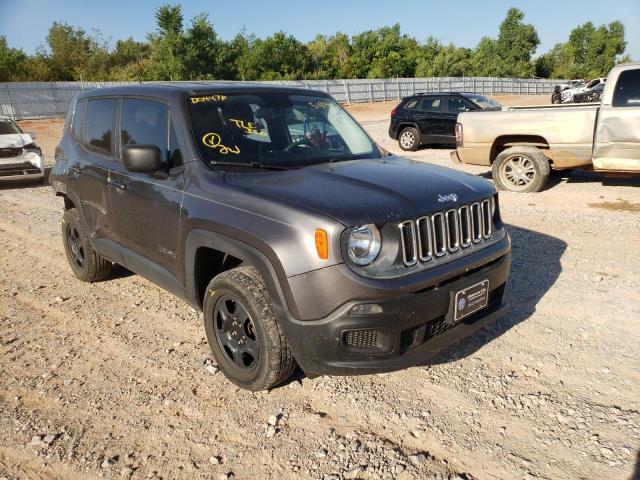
(430,118)
(272,211)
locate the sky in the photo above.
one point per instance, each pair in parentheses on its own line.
(463,22)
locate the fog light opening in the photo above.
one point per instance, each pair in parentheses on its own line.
(366,309)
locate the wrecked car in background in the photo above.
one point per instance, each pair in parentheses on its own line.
(20,157)
(523,144)
(568,96)
(590,96)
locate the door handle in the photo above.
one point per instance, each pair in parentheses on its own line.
(120,186)
(73,172)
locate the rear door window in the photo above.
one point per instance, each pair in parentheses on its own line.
(98,131)
(145,122)
(430,104)
(627,92)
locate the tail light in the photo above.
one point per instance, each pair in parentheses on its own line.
(459,133)
(393,111)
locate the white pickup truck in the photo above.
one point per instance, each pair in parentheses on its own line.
(522,144)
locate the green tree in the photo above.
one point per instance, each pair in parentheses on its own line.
(129,60)
(72,54)
(13,62)
(485,59)
(516,44)
(278,57)
(168,46)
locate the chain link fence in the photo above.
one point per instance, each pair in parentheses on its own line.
(34,100)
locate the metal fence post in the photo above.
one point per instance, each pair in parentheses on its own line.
(346,91)
(371,88)
(398,82)
(11,112)
(384,88)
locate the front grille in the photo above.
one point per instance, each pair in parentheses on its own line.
(408,238)
(446,232)
(361,338)
(10,152)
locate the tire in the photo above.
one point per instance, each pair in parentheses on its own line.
(521,169)
(243,333)
(86,264)
(409,139)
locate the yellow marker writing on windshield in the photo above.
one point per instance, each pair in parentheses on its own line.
(213,140)
(248,127)
(208,98)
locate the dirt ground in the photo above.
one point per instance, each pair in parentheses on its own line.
(114,379)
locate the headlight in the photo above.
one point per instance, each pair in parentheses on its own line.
(364,244)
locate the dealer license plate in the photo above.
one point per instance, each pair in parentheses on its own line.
(470,300)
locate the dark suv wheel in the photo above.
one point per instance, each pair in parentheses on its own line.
(243,332)
(86,263)
(409,139)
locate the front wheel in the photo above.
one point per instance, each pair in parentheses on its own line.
(521,169)
(243,333)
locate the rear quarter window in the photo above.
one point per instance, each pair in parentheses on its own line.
(77,123)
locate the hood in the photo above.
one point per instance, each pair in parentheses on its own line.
(15,140)
(356,192)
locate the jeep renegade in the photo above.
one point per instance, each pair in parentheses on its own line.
(272,211)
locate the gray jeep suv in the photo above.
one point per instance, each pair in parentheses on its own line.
(272,211)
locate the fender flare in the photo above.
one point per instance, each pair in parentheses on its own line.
(277,285)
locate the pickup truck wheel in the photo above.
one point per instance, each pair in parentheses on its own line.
(243,332)
(86,263)
(409,139)
(521,169)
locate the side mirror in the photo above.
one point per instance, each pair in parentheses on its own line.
(142,158)
(32,135)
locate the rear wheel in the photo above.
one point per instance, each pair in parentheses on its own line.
(243,332)
(521,169)
(409,139)
(86,263)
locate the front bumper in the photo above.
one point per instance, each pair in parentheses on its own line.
(27,166)
(412,327)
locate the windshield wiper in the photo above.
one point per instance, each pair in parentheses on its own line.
(255,165)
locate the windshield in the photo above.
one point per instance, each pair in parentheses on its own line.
(484,102)
(275,129)
(8,127)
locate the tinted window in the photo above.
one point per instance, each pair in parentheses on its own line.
(98,130)
(430,104)
(145,122)
(457,105)
(78,119)
(627,92)
(412,104)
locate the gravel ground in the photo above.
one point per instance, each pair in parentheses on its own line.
(115,379)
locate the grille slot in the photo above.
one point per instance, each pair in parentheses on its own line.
(439,234)
(476,223)
(465,226)
(361,338)
(446,232)
(486,218)
(453,240)
(425,239)
(408,237)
